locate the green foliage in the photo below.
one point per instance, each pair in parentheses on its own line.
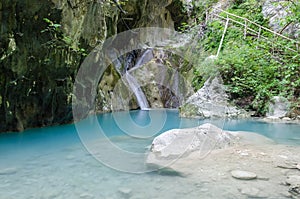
(253,69)
(250,9)
(251,72)
(59,40)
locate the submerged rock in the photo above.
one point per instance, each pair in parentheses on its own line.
(8,171)
(243,175)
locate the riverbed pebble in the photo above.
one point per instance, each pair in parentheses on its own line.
(243,175)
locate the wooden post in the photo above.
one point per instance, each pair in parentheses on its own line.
(245,30)
(222,39)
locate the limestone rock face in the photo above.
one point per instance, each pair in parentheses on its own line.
(211,101)
(43,43)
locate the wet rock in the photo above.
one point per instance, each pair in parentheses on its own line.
(243,175)
(8,171)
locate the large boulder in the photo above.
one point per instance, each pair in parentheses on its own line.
(177,143)
(186,145)
(211,101)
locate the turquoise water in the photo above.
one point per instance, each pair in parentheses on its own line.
(52,162)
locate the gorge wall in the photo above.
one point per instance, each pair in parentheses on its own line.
(43,43)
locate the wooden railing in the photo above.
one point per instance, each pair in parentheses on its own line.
(249,27)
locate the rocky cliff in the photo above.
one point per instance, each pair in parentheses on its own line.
(43,43)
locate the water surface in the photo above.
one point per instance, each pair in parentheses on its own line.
(52,162)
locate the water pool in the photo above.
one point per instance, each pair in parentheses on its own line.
(52,162)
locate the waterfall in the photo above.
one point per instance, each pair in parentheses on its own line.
(146,56)
(136,89)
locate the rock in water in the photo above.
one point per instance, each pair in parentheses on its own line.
(243,175)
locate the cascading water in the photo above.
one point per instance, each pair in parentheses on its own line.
(133,84)
(136,89)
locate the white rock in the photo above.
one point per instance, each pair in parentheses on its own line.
(243,175)
(176,142)
(272,118)
(286,119)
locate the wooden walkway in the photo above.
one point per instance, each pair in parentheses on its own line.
(251,28)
